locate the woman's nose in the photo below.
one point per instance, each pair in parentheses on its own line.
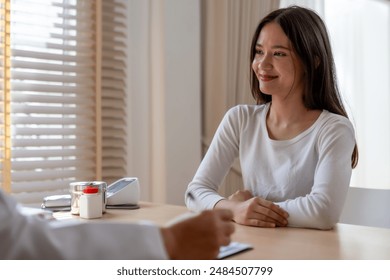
(264,63)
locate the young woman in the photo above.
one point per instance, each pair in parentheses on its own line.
(296,146)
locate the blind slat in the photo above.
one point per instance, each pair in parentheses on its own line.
(55,142)
(81,110)
(46,120)
(86,58)
(48,164)
(47,77)
(50,174)
(34,131)
(22,86)
(52,153)
(51,43)
(59,98)
(48,67)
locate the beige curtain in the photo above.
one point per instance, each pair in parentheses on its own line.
(227,29)
(164,96)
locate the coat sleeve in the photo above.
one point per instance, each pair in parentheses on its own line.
(29,237)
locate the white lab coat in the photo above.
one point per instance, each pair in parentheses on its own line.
(30,237)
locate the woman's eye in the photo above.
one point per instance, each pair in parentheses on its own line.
(279,54)
(259,52)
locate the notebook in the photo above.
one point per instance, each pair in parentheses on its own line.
(232,249)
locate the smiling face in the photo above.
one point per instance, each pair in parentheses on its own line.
(276,65)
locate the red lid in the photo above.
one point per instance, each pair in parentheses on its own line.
(90,189)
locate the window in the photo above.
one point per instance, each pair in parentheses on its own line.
(360,33)
(64,111)
(360,37)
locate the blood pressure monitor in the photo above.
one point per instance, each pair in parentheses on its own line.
(124,192)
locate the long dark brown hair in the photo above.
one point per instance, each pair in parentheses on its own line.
(309,39)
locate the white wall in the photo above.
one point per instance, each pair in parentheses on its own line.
(164,96)
(367,207)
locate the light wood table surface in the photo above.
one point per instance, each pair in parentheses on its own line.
(350,242)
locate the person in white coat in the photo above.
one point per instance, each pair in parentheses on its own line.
(29,237)
(296,146)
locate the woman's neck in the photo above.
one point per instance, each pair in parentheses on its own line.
(285,120)
(286,112)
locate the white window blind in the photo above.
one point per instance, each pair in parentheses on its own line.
(67,92)
(4,96)
(114,116)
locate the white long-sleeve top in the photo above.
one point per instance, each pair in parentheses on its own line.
(308,176)
(29,237)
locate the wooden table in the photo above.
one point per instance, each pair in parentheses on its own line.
(345,241)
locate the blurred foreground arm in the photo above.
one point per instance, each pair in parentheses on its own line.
(28,237)
(200,236)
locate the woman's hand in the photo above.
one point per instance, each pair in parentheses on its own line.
(241,195)
(254,211)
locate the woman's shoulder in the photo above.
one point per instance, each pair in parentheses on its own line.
(247,110)
(332,123)
(243,116)
(336,119)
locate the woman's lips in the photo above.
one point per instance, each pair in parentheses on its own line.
(267,78)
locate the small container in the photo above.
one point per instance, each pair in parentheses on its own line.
(76,190)
(91,203)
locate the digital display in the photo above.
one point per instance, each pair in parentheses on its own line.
(117,186)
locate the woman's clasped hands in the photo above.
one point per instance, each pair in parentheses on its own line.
(254,211)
